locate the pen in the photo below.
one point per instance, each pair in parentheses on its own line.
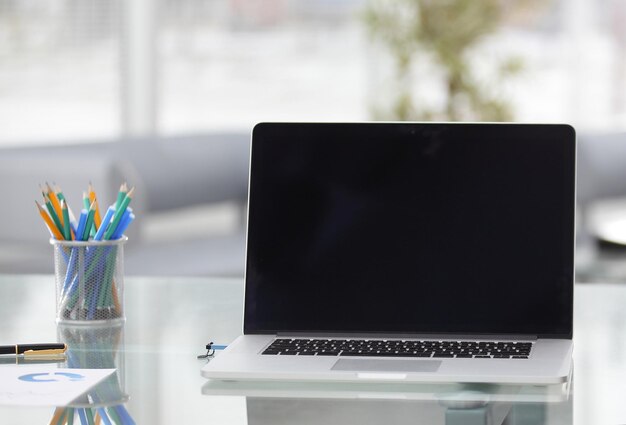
(33,349)
(32,360)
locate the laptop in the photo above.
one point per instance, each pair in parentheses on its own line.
(407,252)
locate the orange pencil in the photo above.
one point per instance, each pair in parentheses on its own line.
(55,203)
(51,227)
(93,198)
(59,412)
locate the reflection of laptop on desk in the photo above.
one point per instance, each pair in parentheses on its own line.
(408,252)
(453,392)
(272,402)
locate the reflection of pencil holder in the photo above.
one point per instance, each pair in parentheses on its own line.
(97,347)
(89,281)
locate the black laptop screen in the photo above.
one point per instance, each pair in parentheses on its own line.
(411,228)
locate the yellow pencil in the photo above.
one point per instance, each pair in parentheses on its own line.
(55,203)
(49,223)
(52,212)
(93,198)
(58,412)
(116,300)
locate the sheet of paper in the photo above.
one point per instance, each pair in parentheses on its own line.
(46,386)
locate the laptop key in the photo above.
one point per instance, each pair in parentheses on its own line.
(398,348)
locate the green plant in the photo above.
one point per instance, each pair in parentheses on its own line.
(445,33)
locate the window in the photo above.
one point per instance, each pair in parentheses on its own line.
(59,78)
(69,70)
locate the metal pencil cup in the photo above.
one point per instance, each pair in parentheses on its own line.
(89,279)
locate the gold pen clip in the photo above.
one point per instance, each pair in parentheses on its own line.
(52,352)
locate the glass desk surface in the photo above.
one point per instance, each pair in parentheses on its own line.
(170,320)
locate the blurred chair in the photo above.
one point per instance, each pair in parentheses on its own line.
(601,198)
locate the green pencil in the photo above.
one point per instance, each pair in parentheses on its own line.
(119,212)
(59,193)
(120,196)
(89,223)
(85,201)
(89,415)
(66,221)
(53,213)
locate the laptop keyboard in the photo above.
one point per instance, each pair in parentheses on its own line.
(399,348)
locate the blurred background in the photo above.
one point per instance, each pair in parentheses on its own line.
(163,94)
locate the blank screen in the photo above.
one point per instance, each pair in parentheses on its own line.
(411,229)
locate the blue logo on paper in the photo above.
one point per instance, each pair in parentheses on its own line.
(51,377)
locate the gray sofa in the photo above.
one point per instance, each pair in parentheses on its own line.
(171,176)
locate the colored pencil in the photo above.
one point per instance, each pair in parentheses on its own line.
(66,221)
(82,222)
(89,225)
(119,212)
(53,214)
(54,200)
(97,219)
(126,220)
(121,195)
(57,414)
(54,231)
(59,193)
(104,224)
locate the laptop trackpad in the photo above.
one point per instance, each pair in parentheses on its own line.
(381,365)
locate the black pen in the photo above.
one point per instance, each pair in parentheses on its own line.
(34,349)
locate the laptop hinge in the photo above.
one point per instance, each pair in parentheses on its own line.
(409,336)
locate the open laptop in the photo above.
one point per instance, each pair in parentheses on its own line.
(412,252)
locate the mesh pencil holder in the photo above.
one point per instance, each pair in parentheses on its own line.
(89,279)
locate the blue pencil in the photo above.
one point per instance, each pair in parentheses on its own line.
(104,416)
(82,220)
(127,218)
(104,224)
(69,274)
(123,413)
(82,416)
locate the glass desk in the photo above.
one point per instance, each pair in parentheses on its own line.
(170,320)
